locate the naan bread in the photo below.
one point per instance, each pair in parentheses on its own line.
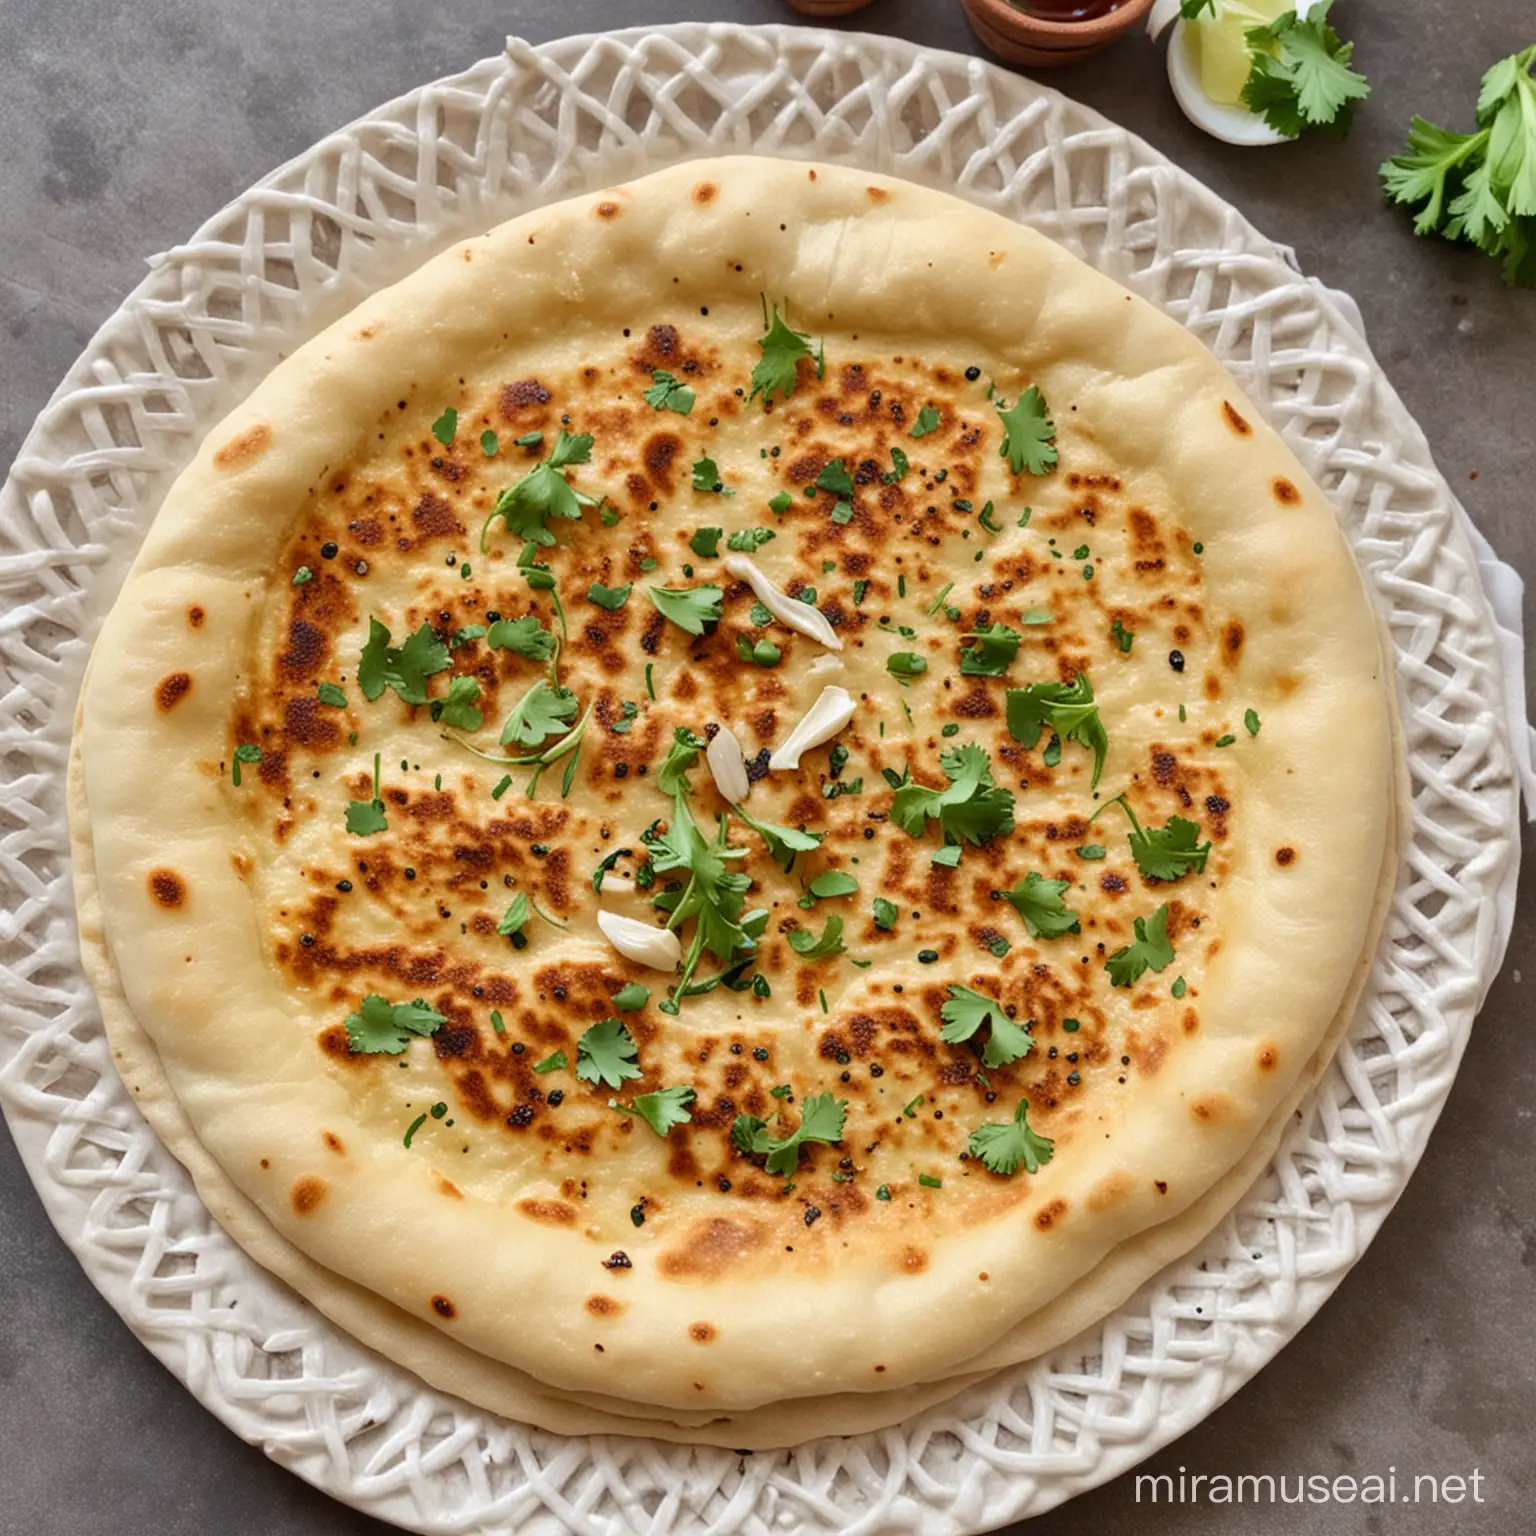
(1176,555)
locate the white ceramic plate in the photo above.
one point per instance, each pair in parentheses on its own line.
(373,201)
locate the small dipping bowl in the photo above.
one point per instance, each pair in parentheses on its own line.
(1024,38)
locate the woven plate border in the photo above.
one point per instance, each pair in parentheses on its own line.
(373,201)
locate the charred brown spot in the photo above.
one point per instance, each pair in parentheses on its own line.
(660,451)
(662,340)
(1284,856)
(877,194)
(554,1213)
(305,726)
(603,1306)
(1048,1215)
(171,690)
(1234,420)
(607,210)
(446,1186)
(1110,1191)
(1232,639)
(1285,493)
(913,1260)
(307,651)
(1213,1109)
(167,888)
(705,192)
(702,1333)
(976,705)
(245,448)
(434,518)
(524,392)
(195,616)
(444,1308)
(1165,768)
(710,1248)
(1269,1056)
(334,1142)
(307,1193)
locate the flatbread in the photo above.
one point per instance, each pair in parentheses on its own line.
(1174,517)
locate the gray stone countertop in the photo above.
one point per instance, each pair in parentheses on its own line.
(125,123)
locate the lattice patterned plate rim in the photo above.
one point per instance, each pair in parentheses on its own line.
(375,199)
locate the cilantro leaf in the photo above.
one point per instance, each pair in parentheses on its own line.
(666,394)
(763,652)
(543,493)
(406,668)
(1068,708)
(749,540)
(1039,902)
(681,756)
(707,477)
(1029,435)
(1150,951)
(1300,75)
(833,882)
(446,427)
(690,608)
(329,693)
(1163,853)
(705,542)
(928,420)
(822,1118)
(366,817)
(809,947)
(783,842)
(380,1027)
(906,664)
(973,809)
(458,709)
(900,464)
(551,1063)
(1190,9)
(778,372)
(631,996)
(966,1011)
(834,477)
(999,644)
(607,1054)
(886,913)
(248,752)
(611,598)
(1002,1148)
(515,917)
(662,1110)
(544,710)
(523,637)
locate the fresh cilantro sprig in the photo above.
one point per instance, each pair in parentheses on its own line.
(1479,187)
(783,842)
(707,477)
(523,637)
(672,779)
(663,1110)
(458,708)
(365,817)
(1069,710)
(544,492)
(404,668)
(966,1011)
(1004,1148)
(1300,76)
(1029,434)
(822,1117)
(973,809)
(380,1027)
(545,709)
(667,394)
(1150,951)
(993,654)
(778,371)
(690,608)
(607,1054)
(1040,903)
(1163,853)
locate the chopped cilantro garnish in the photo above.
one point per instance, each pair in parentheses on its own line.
(1251,720)
(809,947)
(690,608)
(365,817)
(631,996)
(928,420)
(822,1117)
(1002,1148)
(947,857)
(1039,902)
(515,918)
(672,779)
(778,371)
(446,427)
(705,542)
(329,693)
(997,646)
(1150,951)
(611,598)
(1225,741)
(749,540)
(380,1027)
(629,712)
(607,1054)
(666,394)
(928,1181)
(303,575)
(246,753)
(859,589)
(1125,637)
(551,1063)
(965,1013)
(490,444)
(523,637)
(760,615)
(886,913)
(458,708)
(406,668)
(901,465)
(543,711)
(1028,434)
(973,809)
(906,664)
(542,493)
(529,440)
(833,882)
(1163,853)
(764,652)
(834,477)
(780,502)
(783,842)
(1090,851)
(1070,711)
(662,1110)
(1179,987)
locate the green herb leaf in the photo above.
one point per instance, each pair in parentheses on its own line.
(490,444)
(993,655)
(705,542)
(1040,903)
(515,917)
(406,668)
(783,842)
(833,882)
(779,369)
(906,664)
(458,709)
(366,817)
(749,540)
(662,1110)
(523,637)
(822,1118)
(681,756)
(1163,853)
(666,394)
(764,652)
(631,997)
(780,502)
(928,420)
(973,809)
(446,426)
(551,1063)
(607,1054)
(1251,721)
(380,1027)
(948,857)
(1028,434)
(690,608)
(543,711)
(1150,951)
(810,947)
(543,493)
(246,753)
(965,1013)
(611,598)
(900,465)
(1124,637)
(834,477)
(329,693)
(1300,75)
(1004,1148)
(1068,708)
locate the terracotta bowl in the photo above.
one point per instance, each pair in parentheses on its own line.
(828,7)
(1024,39)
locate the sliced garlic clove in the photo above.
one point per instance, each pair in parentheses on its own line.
(825,718)
(801,617)
(617,885)
(729,766)
(657,948)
